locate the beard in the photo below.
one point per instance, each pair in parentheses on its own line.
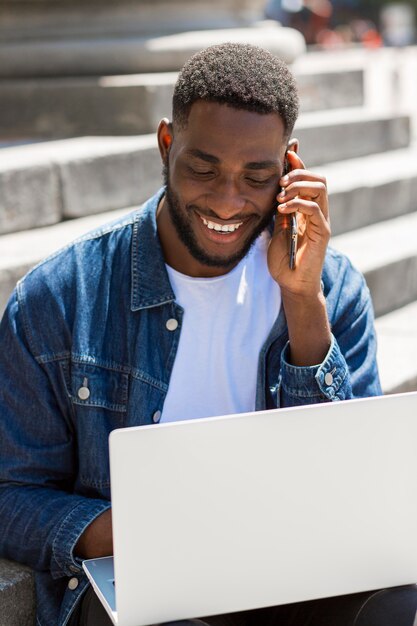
(182,225)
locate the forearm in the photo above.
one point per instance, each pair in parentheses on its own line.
(349,368)
(308,328)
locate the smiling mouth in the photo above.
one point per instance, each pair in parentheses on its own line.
(224,229)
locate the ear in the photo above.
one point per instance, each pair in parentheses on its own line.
(293,145)
(165,137)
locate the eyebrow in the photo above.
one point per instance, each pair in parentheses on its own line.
(204,156)
(262,165)
(253,165)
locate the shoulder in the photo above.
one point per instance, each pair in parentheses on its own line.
(83,253)
(79,266)
(73,283)
(98,250)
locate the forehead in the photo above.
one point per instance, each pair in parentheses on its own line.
(219,128)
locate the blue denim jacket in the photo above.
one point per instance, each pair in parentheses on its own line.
(94,315)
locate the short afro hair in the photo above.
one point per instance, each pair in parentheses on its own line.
(241,76)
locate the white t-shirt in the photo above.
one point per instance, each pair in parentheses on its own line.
(225,324)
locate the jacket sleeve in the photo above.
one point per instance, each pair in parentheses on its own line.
(349,369)
(41,518)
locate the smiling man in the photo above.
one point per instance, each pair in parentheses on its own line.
(186,308)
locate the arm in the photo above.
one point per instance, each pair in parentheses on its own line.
(304,304)
(351,359)
(41,517)
(331,354)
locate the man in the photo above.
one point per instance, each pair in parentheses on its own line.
(185,308)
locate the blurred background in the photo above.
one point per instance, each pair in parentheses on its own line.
(84,83)
(345,22)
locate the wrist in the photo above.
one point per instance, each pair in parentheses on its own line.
(97,539)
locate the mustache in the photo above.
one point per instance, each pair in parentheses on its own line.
(209,213)
(239,217)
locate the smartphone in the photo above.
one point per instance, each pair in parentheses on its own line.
(293,229)
(293,240)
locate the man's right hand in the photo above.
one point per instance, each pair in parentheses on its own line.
(97,539)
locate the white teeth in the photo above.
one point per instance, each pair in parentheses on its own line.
(224,228)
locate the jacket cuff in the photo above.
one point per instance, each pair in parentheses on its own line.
(64,562)
(328,381)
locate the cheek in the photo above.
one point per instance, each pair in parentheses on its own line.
(191,191)
(181,181)
(267,198)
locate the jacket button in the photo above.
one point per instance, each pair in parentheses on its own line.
(328,379)
(73,583)
(83,393)
(156,416)
(172,324)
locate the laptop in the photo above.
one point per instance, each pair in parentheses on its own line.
(258,509)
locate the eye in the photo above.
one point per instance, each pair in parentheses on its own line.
(200,173)
(258,182)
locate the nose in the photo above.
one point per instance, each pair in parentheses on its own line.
(227,200)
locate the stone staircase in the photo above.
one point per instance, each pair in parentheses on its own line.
(357,127)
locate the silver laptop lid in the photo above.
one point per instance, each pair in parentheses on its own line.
(238,512)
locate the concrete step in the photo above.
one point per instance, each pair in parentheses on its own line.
(371,188)
(387,71)
(43,183)
(132,53)
(397,349)
(130,104)
(45,19)
(17,595)
(331,136)
(386,253)
(327,90)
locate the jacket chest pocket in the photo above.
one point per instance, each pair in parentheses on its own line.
(99,397)
(96,386)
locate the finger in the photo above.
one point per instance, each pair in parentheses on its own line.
(297,175)
(303,188)
(306,207)
(315,192)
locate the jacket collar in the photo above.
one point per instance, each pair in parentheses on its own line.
(150,282)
